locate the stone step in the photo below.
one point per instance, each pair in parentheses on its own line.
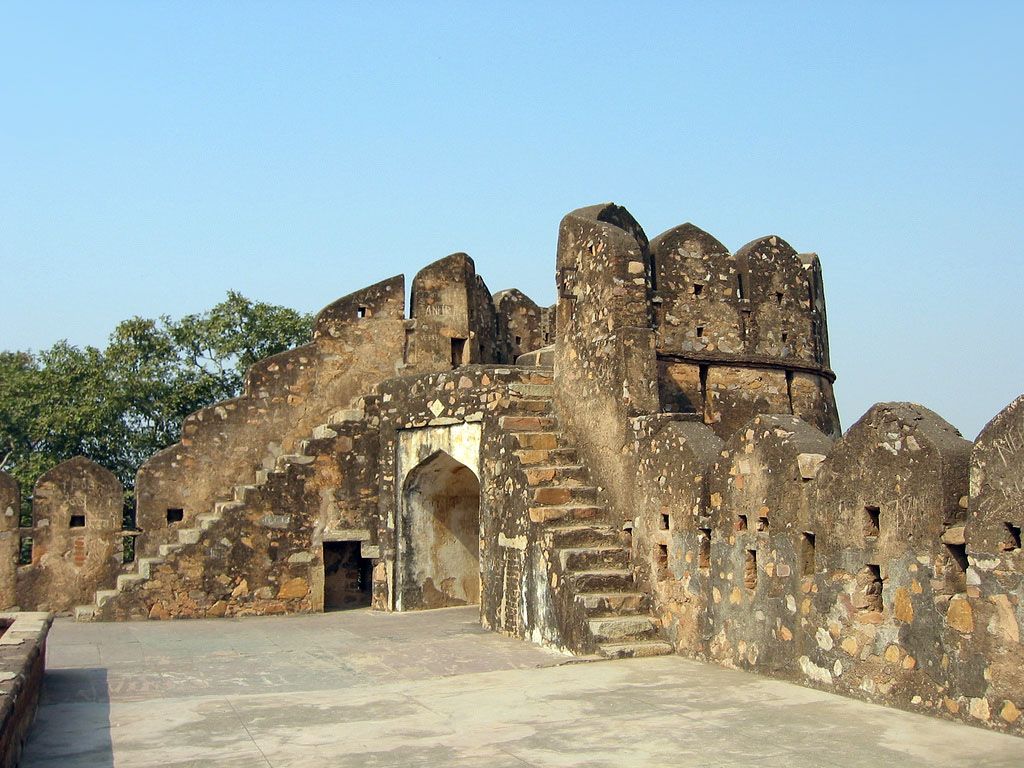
(206,521)
(636,649)
(124,580)
(287,459)
(612,603)
(602,580)
(622,628)
(531,458)
(582,535)
(168,549)
(531,405)
(324,432)
(345,415)
(564,455)
(532,390)
(571,511)
(103,595)
(226,507)
(564,494)
(593,558)
(242,492)
(565,474)
(528,423)
(145,565)
(189,535)
(539,441)
(85,612)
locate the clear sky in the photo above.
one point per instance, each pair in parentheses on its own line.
(155,155)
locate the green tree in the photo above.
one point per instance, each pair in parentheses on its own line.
(123,404)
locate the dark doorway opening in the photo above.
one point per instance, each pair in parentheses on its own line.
(348,577)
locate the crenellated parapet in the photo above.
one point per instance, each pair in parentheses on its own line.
(653,464)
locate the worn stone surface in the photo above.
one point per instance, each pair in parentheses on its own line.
(22,663)
(77,543)
(653,465)
(433,689)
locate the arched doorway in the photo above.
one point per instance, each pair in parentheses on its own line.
(440,547)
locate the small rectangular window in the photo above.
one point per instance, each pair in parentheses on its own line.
(362,312)
(872,517)
(697,289)
(750,570)
(700,331)
(458,350)
(175,515)
(785,337)
(807,554)
(1012,537)
(661,555)
(127,549)
(741,522)
(762,523)
(77,521)
(519,340)
(704,556)
(778,297)
(870,582)
(664,521)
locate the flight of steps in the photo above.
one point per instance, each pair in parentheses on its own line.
(594,556)
(241,496)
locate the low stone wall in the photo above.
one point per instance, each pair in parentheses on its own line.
(22,658)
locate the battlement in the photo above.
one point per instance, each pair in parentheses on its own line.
(677,481)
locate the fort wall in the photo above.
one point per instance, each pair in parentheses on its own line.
(678,481)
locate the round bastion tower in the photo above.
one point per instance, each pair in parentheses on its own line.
(740,334)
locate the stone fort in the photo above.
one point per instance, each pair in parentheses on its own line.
(653,465)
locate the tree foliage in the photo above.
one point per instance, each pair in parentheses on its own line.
(120,405)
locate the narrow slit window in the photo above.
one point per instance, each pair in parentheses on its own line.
(664,521)
(274,551)
(1012,537)
(785,337)
(25,551)
(458,350)
(661,555)
(654,273)
(778,297)
(519,340)
(750,570)
(175,515)
(700,331)
(872,519)
(77,521)
(704,555)
(807,554)
(127,549)
(740,293)
(407,345)
(954,569)
(741,522)
(870,582)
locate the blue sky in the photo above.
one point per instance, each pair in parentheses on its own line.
(155,155)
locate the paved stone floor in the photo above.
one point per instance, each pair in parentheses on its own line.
(433,689)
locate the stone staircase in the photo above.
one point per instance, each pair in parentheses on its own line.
(592,555)
(189,538)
